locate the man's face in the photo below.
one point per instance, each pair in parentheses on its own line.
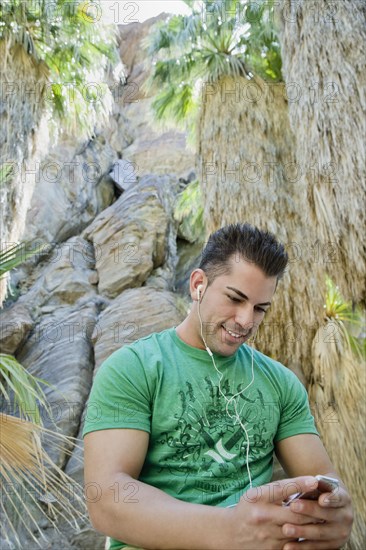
(233,306)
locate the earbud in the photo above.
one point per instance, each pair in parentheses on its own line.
(199,290)
(234,399)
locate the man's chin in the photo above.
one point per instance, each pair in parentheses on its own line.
(227,354)
(226,350)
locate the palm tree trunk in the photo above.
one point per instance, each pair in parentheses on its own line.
(248,174)
(324,53)
(249,169)
(323,48)
(22,144)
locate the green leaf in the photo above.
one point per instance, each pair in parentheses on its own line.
(348,316)
(72,46)
(189,212)
(13,256)
(6,172)
(219,38)
(28,394)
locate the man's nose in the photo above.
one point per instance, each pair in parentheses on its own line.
(245,316)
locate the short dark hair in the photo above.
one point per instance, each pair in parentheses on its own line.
(244,241)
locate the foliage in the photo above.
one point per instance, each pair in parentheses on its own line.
(6,171)
(71,50)
(264,57)
(27,391)
(74,48)
(28,476)
(32,484)
(16,254)
(349,318)
(189,212)
(220,37)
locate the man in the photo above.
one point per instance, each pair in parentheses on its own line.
(179,453)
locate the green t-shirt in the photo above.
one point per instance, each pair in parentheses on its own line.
(197,450)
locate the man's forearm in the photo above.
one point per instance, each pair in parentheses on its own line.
(143,516)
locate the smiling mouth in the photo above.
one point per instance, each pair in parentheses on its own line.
(235,335)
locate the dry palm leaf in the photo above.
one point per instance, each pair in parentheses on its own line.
(24,463)
(337,396)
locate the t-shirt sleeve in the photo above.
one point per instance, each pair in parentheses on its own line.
(121,395)
(296,417)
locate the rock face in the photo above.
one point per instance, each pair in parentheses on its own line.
(134,314)
(153,149)
(15,323)
(109,276)
(122,176)
(130,243)
(60,351)
(20,149)
(70,190)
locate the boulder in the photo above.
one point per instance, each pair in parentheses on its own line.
(63,277)
(75,465)
(119,132)
(133,53)
(189,256)
(58,348)
(123,174)
(153,148)
(87,539)
(70,190)
(130,237)
(67,279)
(134,314)
(15,324)
(71,278)
(109,277)
(60,352)
(156,150)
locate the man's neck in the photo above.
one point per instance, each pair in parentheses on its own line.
(189,333)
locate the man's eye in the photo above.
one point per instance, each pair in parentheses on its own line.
(233,299)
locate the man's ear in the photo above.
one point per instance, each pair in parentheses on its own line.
(197,283)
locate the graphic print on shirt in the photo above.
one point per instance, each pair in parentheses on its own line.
(206,435)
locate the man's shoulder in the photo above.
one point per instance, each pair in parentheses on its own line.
(261,358)
(145,346)
(141,355)
(268,365)
(154,339)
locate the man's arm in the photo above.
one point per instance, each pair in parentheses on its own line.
(126,509)
(131,511)
(305,455)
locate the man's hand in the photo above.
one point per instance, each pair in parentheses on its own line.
(258,519)
(333,510)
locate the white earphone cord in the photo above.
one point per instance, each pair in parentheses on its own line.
(236,416)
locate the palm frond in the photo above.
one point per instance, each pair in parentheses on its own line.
(189,212)
(184,102)
(6,172)
(174,103)
(189,3)
(162,104)
(28,395)
(174,35)
(25,464)
(337,308)
(173,69)
(74,47)
(349,318)
(213,42)
(12,256)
